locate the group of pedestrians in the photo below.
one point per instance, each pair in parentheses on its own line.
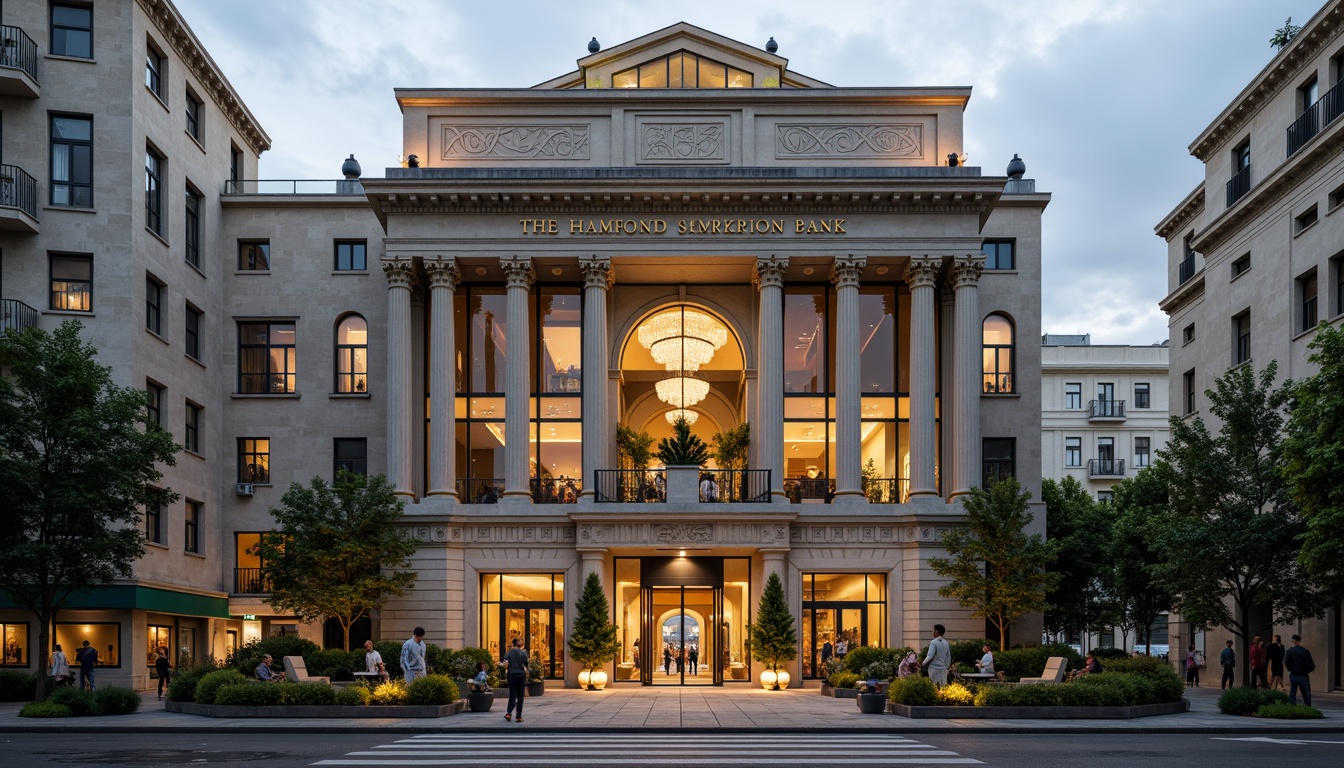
(686,657)
(1268,663)
(87,659)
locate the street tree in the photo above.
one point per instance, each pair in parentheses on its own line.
(994,567)
(1079,528)
(773,638)
(593,640)
(79,462)
(1230,546)
(1313,450)
(336,551)
(1140,510)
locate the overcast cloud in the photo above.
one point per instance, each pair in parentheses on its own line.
(1101,99)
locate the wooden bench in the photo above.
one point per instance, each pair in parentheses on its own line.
(297,672)
(1055,667)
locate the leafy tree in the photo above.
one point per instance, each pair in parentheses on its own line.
(1079,528)
(632,448)
(730,451)
(593,641)
(773,638)
(683,447)
(1285,34)
(78,462)
(1313,450)
(996,569)
(1231,543)
(1141,509)
(333,547)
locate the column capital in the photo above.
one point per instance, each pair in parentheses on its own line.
(966,270)
(846,270)
(400,273)
(517,272)
(597,272)
(443,273)
(923,271)
(770,272)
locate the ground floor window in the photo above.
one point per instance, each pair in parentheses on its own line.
(841,611)
(156,637)
(14,642)
(105,637)
(528,607)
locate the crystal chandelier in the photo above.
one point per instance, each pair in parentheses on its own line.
(682,391)
(681,413)
(681,340)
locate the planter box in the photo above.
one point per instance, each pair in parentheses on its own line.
(280,712)
(1039,713)
(872,703)
(845,693)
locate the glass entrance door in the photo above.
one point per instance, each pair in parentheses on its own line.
(542,633)
(684,628)
(830,633)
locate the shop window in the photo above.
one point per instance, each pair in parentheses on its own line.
(104,637)
(156,637)
(528,607)
(841,612)
(14,644)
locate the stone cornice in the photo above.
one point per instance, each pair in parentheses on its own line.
(468,99)
(1193,289)
(1186,211)
(211,78)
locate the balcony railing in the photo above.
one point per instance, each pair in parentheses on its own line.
(735,486)
(886,490)
(630,486)
(1106,409)
(552,491)
(18,190)
(250,581)
(18,51)
(1106,468)
(1315,118)
(1238,185)
(293,187)
(1187,268)
(479,490)
(16,316)
(800,490)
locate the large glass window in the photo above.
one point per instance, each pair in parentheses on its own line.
(809,426)
(104,637)
(682,70)
(157,636)
(841,612)
(557,433)
(352,355)
(884,312)
(247,574)
(998,354)
(352,455)
(72,161)
(14,643)
(529,607)
(72,31)
(71,282)
(266,356)
(153,191)
(999,458)
(254,460)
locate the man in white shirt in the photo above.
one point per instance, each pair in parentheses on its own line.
(939,657)
(413,656)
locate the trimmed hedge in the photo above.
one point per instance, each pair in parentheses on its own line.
(245,658)
(1110,653)
(858,658)
(434,689)
(183,685)
(18,686)
(1049,696)
(353,696)
(210,685)
(1248,701)
(81,703)
(334,663)
(116,701)
(257,694)
(1017,663)
(844,680)
(1284,711)
(45,709)
(916,691)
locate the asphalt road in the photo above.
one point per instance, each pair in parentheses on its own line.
(635,748)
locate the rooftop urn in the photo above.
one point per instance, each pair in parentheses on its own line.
(594,46)
(1016,168)
(350,168)
(771,45)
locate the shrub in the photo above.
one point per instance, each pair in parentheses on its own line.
(967,652)
(116,701)
(1110,653)
(1016,663)
(246,657)
(44,709)
(1284,711)
(955,694)
(306,694)
(183,685)
(18,686)
(250,694)
(461,665)
(434,689)
(210,684)
(391,653)
(858,658)
(353,696)
(390,693)
(844,680)
(1166,683)
(878,670)
(81,703)
(1247,701)
(915,691)
(336,664)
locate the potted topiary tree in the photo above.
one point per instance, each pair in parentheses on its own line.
(592,641)
(536,686)
(730,452)
(683,454)
(774,640)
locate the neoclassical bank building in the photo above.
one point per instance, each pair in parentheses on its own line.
(681,227)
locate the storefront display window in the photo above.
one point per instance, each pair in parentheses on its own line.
(14,642)
(528,607)
(105,636)
(841,611)
(156,637)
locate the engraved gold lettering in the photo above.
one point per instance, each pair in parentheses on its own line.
(659,227)
(575,226)
(840,227)
(799,227)
(681,226)
(777,226)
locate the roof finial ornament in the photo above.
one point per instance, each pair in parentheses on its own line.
(771,46)
(1016,168)
(350,168)
(594,46)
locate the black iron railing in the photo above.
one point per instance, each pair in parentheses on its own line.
(18,189)
(1315,118)
(1106,409)
(564,490)
(734,486)
(1187,268)
(886,490)
(16,316)
(809,489)
(630,486)
(250,581)
(1106,468)
(18,51)
(1239,185)
(479,490)
(293,187)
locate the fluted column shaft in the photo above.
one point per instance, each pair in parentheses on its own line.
(443,279)
(400,275)
(921,276)
(848,396)
(517,380)
(597,426)
(770,372)
(968,370)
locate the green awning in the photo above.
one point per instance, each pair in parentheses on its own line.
(132,597)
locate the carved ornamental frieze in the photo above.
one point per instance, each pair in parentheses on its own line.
(516,142)
(683,142)
(652,534)
(849,141)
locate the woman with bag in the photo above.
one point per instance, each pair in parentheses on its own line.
(60,666)
(1192,667)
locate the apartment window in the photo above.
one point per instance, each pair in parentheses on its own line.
(153,191)
(1188,334)
(1187,269)
(254,255)
(351,255)
(1073,451)
(154,532)
(352,355)
(192,524)
(1240,183)
(1188,388)
(193,333)
(72,30)
(1337,269)
(154,403)
(71,282)
(1306,301)
(1308,94)
(1241,265)
(191,439)
(1305,219)
(1073,396)
(1143,451)
(156,71)
(1105,497)
(192,235)
(235,169)
(1241,338)
(254,460)
(266,355)
(999,254)
(153,305)
(194,107)
(998,354)
(352,455)
(72,161)
(1142,395)
(998,458)
(1337,197)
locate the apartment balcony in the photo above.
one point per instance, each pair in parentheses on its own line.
(1238,185)
(1187,268)
(18,64)
(1315,118)
(1106,468)
(1106,410)
(18,200)
(886,490)
(250,581)
(705,486)
(16,316)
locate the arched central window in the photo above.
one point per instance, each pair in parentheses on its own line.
(352,355)
(682,70)
(998,355)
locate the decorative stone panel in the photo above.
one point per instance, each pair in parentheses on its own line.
(844,534)
(813,140)
(690,142)
(516,142)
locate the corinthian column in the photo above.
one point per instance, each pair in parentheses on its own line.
(517,381)
(921,276)
(597,427)
(848,398)
(769,279)
(443,278)
(967,366)
(400,275)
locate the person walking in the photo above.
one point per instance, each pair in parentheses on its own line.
(60,666)
(163,669)
(1228,660)
(1297,660)
(1192,667)
(87,656)
(1259,663)
(693,658)
(1275,652)
(667,659)
(939,658)
(516,660)
(413,656)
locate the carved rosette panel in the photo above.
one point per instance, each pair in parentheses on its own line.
(849,141)
(844,534)
(516,142)
(683,142)
(692,532)
(524,534)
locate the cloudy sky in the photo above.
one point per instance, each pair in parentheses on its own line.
(1100,97)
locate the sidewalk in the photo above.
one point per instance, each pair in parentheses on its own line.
(733,709)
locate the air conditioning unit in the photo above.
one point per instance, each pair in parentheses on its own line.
(243,489)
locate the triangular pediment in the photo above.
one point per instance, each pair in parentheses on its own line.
(765,69)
